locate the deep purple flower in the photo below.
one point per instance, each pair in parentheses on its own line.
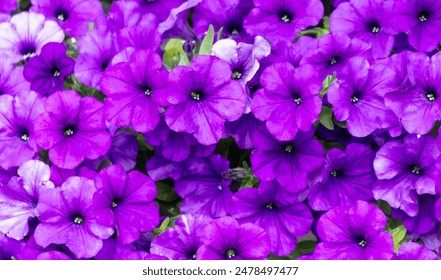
(67,217)
(417,102)
(288,162)
(242,130)
(405,169)
(47,71)
(277,211)
(20,197)
(96,48)
(415,251)
(289,101)
(202,105)
(226,14)
(17,136)
(160,168)
(72,15)
(132,88)
(126,202)
(160,8)
(225,239)
(10,249)
(11,77)
(176,146)
(122,14)
(203,187)
(124,150)
(354,233)
(346,176)
(182,241)
(358,98)
(421,20)
(333,53)
(72,129)
(277,19)
(143,35)
(370,21)
(26,33)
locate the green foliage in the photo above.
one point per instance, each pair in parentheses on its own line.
(325,118)
(162,227)
(174,54)
(207,42)
(302,248)
(165,193)
(399,236)
(330,79)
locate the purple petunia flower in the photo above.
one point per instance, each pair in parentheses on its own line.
(72,129)
(288,162)
(203,187)
(10,249)
(124,150)
(242,130)
(182,241)
(142,35)
(225,239)
(160,168)
(11,77)
(277,211)
(415,251)
(47,71)
(226,14)
(26,33)
(333,52)
(420,19)
(67,217)
(417,102)
(405,169)
(132,88)
(202,105)
(358,98)
(369,21)
(160,8)
(72,15)
(17,136)
(345,178)
(176,146)
(289,101)
(354,233)
(97,49)
(20,197)
(277,19)
(126,202)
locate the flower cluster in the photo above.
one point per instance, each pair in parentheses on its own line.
(221,129)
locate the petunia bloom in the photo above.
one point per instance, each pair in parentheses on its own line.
(20,197)
(26,33)
(126,202)
(67,217)
(17,136)
(72,129)
(354,233)
(11,77)
(225,239)
(183,240)
(202,105)
(277,211)
(47,71)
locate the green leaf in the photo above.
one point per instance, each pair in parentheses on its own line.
(174,54)
(303,248)
(162,227)
(219,33)
(330,79)
(165,193)
(207,43)
(325,118)
(399,236)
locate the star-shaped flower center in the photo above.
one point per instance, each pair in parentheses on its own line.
(416,170)
(231,253)
(362,243)
(285,16)
(148,92)
(333,60)
(196,95)
(56,73)
(69,131)
(423,16)
(236,75)
(78,219)
(289,148)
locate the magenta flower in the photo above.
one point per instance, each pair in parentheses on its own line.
(126,202)
(17,136)
(72,129)
(132,90)
(202,105)
(11,77)
(67,217)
